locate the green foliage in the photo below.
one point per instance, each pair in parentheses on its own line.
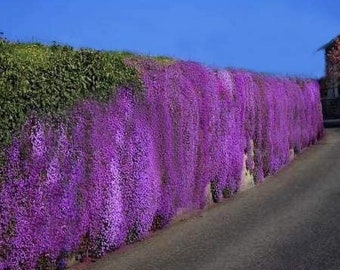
(165,60)
(49,79)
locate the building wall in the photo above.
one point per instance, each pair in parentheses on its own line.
(330,85)
(332,57)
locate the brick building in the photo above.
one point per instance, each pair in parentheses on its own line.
(331,81)
(330,84)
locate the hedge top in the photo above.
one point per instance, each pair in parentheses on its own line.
(49,79)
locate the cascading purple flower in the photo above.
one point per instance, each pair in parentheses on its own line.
(112,172)
(114,229)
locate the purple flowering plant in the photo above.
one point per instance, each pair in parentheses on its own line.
(116,171)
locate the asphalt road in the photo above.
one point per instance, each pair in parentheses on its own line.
(292,221)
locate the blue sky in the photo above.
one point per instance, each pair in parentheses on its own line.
(279,36)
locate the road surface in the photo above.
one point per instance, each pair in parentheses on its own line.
(292,221)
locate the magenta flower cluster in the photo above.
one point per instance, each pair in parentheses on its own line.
(114,172)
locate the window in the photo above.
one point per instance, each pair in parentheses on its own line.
(333,92)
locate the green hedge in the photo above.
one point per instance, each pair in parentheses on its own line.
(49,79)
